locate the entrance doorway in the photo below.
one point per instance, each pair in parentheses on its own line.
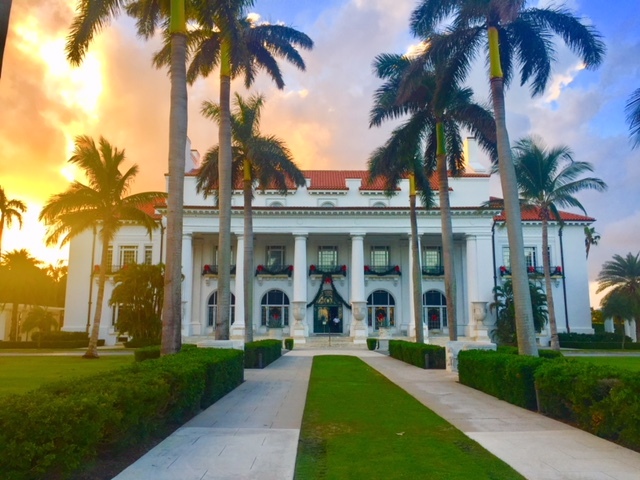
(327,314)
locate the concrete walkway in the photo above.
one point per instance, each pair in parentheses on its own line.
(252,433)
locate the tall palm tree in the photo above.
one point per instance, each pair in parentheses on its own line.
(91,16)
(21,281)
(10,210)
(438,108)
(514,34)
(591,237)
(103,202)
(548,179)
(255,157)
(632,109)
(238,46)
(621,277)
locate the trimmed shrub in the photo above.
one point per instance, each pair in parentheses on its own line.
(598,341)
(261,353)
(419,354)
(504,375)
(541,353)
(372,343)
(53,430)
(141,342)
(288,343)
(602,400)
(65,344)
(147,353)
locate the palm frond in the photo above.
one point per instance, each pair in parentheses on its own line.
(632,111)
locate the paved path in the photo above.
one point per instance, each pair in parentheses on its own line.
(252,433)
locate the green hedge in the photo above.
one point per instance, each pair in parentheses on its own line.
(261,353)
(55,429)
(372,343)
(598,341)
(65,344)
(415,353)
(504,375)
(141,342)
(288,343)
(147,353)
(541,353)
(602,400)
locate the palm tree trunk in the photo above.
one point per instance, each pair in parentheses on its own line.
(521,295)
(248,254)
(92,349)
(415,263)
(1,231)
(447,234)
(553,326)
(172,304)
(224,194)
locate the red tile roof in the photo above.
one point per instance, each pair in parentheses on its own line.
(532,214)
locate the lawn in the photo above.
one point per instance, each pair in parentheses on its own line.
(23,373)
(627,363)
(357,424)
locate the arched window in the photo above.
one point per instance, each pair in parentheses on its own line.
(274,309)
(276,204)
(381,308)
(212,309)
(327,205)
(434,310)
(379,205)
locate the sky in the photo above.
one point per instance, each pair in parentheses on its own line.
(322,113)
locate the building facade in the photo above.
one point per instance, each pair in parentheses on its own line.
(333,257)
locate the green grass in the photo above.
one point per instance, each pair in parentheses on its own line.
(627,363)
(23,373)
(357,424)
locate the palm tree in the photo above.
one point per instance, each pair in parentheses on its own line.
(239,46)
(619,307)
(21,283)
(515,34)
(632,109)
(255,157)
(103,202)
(91,17)
(591,237)
(438,107)
(9,210)
(621,276)
(548,179)
(42,319)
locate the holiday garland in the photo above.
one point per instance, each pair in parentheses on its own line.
(394,270)
(337,270)
(264,270)
(327,279)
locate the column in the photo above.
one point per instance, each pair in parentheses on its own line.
(237,329)
(300,328)
(197,321)
(359,330)
(479,286)
(411,331)
(187,284)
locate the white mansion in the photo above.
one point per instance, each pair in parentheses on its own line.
(333,257)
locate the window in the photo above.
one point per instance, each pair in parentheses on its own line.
(276,204)
(379,205)
(148,254)
(529,256)
(327,257)
(381,310)
(212,309)
(434,310)
(110,259)
(275,256)
(432,260)
(327,204)
(128,254)
(216,259)
(274,309)
(380,256)
(117,310)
